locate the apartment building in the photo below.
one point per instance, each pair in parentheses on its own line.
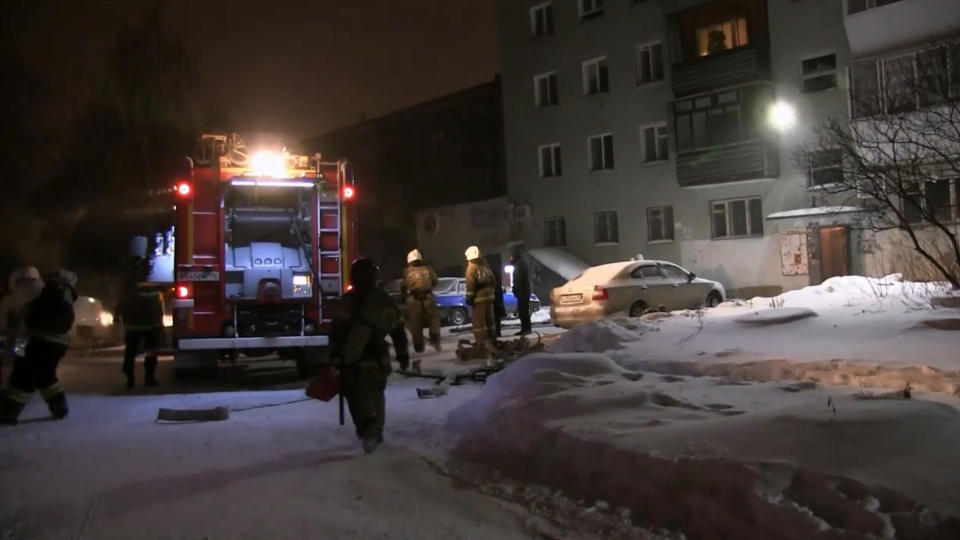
(643,127)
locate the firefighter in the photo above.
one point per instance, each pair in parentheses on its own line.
(364,316)
(141,309)
(480,297)
(419,279)
(521,289)
(25,284)
(48,319)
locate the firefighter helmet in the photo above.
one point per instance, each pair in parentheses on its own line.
(363,273)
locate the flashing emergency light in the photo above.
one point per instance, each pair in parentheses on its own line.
(349,192)
(184,189)
(268,163)
(183,291)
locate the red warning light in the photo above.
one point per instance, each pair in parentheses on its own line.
(184,189)
(183,291)
(349,192)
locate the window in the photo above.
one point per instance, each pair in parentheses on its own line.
(737,217)
(724,118)
(595,77)
(819,73)
(920,79)
(722,36)
(601,152)
(550,160)
(647,271)
(654,141)
(659,224)
(590,9)
(545,89)
(825,168)
(939,199)
(555,232)
(605,228)
(674,273)
(541,20)
(856,6)
(864,89)
(649,63)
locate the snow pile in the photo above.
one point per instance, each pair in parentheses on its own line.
(854,290)
(602,335)
(711,460)
(543,384)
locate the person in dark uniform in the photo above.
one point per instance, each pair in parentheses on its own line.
(48,319)
(521,289)
(141,309)
(362,320)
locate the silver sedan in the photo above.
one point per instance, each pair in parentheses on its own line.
(631,287)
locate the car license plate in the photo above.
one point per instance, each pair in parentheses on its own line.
(191,275)
(571,299)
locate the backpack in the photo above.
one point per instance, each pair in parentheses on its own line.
(50,313)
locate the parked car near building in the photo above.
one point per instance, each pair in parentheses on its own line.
(451,300)
(630,287)
(93,325)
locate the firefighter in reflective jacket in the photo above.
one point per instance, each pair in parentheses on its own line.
(363,318)
(421,306)
(141,309)
(48,319)
(480,297)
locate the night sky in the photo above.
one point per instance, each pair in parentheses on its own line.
(294,68)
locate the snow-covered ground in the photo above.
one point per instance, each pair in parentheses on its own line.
(772,418)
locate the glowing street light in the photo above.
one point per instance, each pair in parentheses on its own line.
(782,116)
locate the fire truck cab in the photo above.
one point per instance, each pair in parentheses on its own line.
(263,241)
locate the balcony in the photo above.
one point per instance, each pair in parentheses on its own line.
(721,70)
(750,160)
(898,25)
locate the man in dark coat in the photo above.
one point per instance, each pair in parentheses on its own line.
(521,289)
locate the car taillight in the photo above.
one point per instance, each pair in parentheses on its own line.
(184,291)
(600,293)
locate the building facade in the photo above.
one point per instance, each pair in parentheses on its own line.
(442,152)
(650,127)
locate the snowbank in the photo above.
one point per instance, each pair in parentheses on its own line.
(715,460)
(603,335)
(856,290)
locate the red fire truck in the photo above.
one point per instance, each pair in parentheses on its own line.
(263,242)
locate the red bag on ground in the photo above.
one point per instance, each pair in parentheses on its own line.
(325,385)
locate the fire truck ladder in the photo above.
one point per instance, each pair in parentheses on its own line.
(331,245)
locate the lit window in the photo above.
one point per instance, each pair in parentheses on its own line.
(719,37)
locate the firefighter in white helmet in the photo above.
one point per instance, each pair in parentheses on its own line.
(419,279)
(480,297)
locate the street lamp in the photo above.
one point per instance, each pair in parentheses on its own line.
(782,116)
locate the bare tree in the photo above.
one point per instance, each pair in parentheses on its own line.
(898,157)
